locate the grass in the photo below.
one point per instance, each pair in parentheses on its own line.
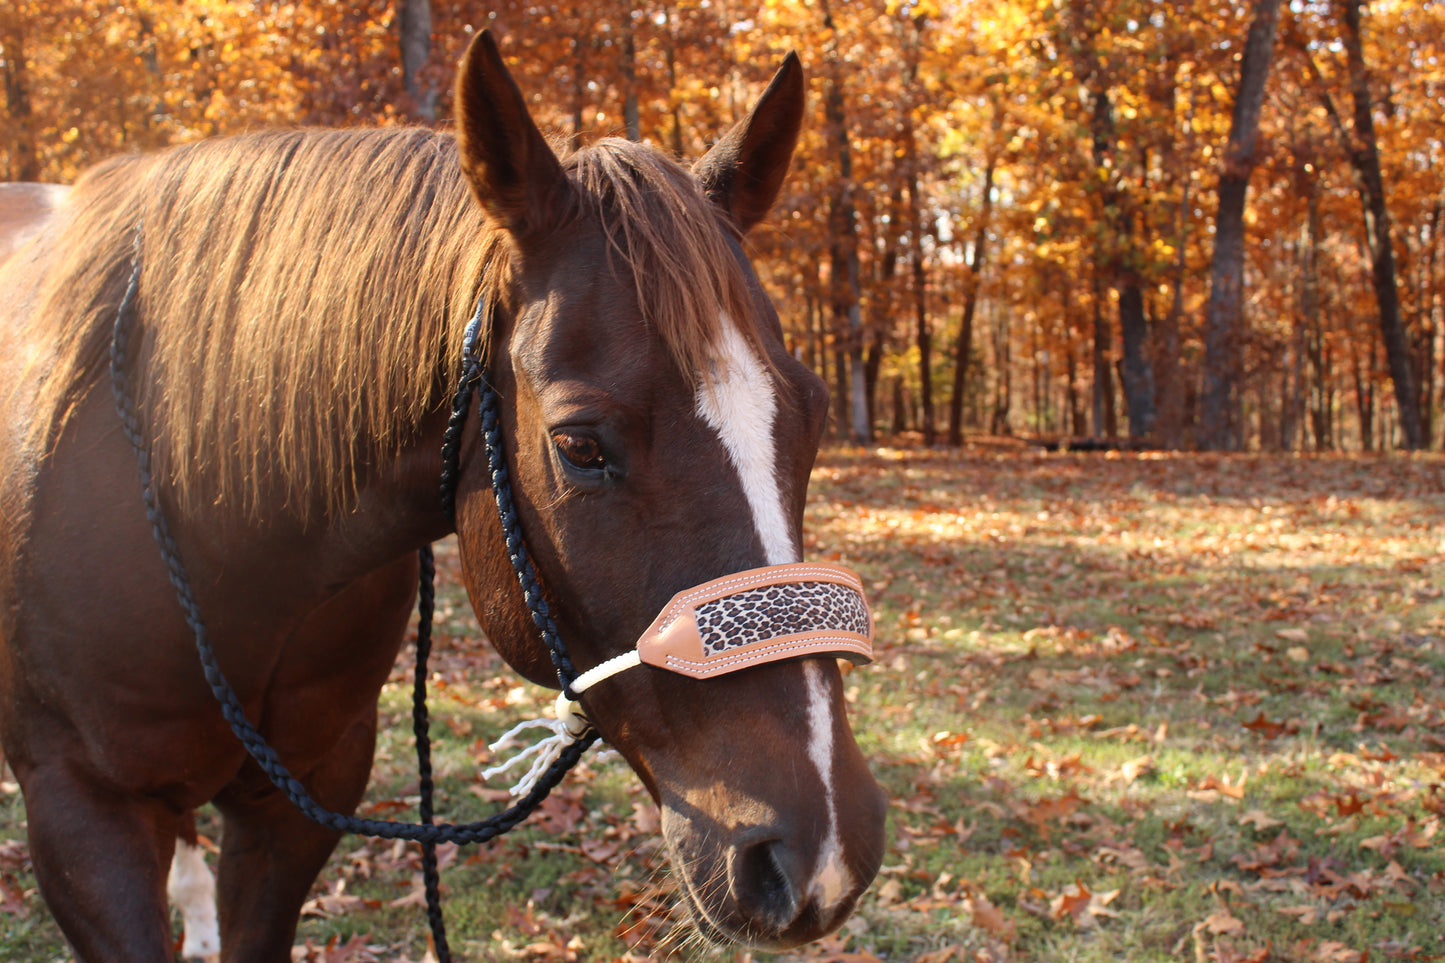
(1140,707)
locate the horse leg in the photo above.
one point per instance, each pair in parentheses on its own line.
(100,861)
(192,890)
(321,719)
(271,853)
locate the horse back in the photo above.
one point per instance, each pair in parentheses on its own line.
(25,211)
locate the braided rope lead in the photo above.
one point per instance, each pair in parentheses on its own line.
(421,730)
(489,409)
(428,833)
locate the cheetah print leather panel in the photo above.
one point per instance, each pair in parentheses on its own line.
(774,611)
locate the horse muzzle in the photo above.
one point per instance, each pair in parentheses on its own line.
(776,852)
(774,847)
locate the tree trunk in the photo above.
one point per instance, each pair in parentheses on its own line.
(1105,424)
(631,115)
(901,421)
(415,24)
(1135,372)
(672,92)
(1003,382)
(964,346)
(1169,376)
(872,366)
(1169,423)
(1113,255)
(24,158)
(923,331)
(1434,310)
(1365,154)
(1078,424)
(843,259)
(1364,378)
(1312,333)
(1219,427)
(881,307)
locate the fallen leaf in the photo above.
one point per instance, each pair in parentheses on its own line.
(990,918)
(1223,923)
(1305,914)
(1332,952)
(890,893)
(1259,819)
(1077,902)
(1134,768)
(1267,728)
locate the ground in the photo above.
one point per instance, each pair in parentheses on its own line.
(1127,707)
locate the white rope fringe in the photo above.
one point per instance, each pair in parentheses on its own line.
(569,726)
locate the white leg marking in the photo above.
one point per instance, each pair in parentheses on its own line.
(740,404)
(192,889)
(831,879)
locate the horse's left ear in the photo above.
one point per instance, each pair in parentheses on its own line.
(744,171)
(513,172)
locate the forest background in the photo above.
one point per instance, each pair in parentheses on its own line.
(1176,223)
(1140,707)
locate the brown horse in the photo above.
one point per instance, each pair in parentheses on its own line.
(299,315)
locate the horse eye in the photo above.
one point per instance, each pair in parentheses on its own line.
(580,451)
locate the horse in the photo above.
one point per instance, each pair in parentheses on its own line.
(300,300)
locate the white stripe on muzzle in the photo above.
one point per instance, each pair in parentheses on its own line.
(741,405)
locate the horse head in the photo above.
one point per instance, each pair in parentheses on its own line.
(659,436)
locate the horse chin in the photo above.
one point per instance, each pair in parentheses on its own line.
(741,934)
(724,914)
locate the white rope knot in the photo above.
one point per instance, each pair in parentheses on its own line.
(569,726)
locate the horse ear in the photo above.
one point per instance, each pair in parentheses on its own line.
(513,172)
(744,171)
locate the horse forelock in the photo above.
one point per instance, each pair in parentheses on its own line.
(677,247)
(303,296)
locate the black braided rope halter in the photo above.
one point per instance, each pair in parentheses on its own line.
(427,832)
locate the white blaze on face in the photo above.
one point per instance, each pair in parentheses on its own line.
(741,405)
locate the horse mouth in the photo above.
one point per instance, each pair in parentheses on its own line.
(742,934)
(780,920)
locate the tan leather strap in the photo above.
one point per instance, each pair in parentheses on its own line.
(762,615)
(808,609)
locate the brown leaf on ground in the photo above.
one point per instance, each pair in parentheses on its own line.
(1084,907)
(989,918)
(1223,923)
(355,950)
(1259,819)
(1332,952)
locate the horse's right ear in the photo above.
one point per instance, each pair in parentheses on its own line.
(513,172)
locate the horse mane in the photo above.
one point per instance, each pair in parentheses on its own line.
(303,296)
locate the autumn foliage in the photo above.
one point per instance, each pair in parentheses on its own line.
(1002,216)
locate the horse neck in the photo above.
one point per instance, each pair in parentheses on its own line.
(394,511)
(397,508)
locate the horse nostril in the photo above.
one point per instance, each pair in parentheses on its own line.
(763,885)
